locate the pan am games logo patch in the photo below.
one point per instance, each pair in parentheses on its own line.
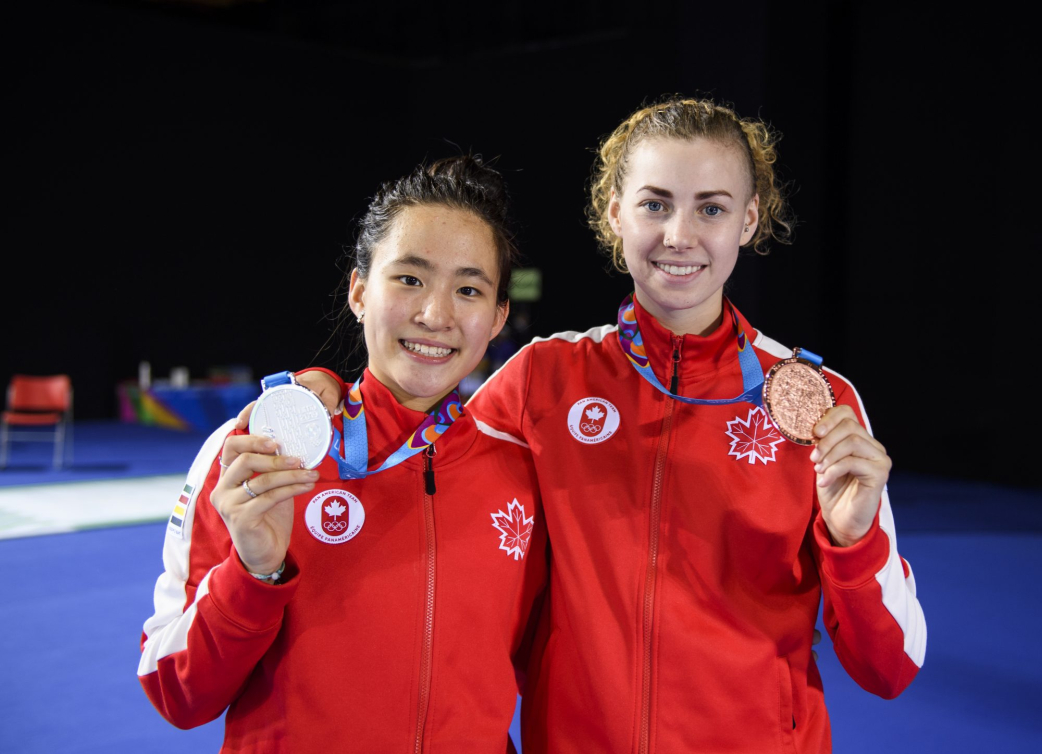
(592,420)
(334,516)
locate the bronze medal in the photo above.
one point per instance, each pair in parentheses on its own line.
(796,395)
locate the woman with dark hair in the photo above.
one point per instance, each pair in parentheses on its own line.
(381,606)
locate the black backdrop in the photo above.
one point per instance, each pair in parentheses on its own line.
(181,182)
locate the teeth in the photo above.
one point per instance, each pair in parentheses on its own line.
(426,350)
(672,269)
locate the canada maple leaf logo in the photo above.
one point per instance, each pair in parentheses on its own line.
(754,437)
(334,509)
(594,413)
(514,529)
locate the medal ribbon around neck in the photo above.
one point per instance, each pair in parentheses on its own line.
(632,344)
(351,452)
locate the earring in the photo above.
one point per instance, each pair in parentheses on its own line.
(746,228)
(361,317)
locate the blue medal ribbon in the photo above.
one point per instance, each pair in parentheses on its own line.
(632,344)
(351,452)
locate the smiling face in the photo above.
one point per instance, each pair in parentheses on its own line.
(429,302)
(685,210)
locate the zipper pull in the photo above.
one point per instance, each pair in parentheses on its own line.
(674,383)
(428,469)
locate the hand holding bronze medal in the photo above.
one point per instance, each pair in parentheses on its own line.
(294,417)
(796,395)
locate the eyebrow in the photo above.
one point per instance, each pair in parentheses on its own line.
(657,191)
(666,194)
(474,272)
(411,260)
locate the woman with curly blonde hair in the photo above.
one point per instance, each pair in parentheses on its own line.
(691,540)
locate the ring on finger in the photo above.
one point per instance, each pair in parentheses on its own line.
(220,460)
(246,486)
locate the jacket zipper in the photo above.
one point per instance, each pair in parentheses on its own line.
(428,618)
(674,382)
(649,579)
(428,469)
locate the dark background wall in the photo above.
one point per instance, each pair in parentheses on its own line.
(181,181)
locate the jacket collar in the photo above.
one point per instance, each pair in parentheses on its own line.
(700,356)
(389,424)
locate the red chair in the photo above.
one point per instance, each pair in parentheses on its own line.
(38,402)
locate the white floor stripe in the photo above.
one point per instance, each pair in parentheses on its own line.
(51,508)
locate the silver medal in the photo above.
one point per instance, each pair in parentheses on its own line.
(297,420)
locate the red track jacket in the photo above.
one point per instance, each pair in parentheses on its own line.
(688,556)
(396,626)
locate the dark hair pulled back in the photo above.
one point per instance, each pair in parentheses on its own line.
(464,183)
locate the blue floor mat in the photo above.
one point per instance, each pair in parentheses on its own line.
(980,689)
(931,504)
(104,450)
(75,617)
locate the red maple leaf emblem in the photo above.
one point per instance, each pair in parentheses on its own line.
(331,520)
(514,529)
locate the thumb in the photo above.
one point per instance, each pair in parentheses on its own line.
(242,421)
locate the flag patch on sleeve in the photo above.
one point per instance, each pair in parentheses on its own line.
(176,526)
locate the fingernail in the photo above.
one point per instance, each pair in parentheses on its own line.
(815,455)
(312,474)
(269,445)
(818,467)
(291,462)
